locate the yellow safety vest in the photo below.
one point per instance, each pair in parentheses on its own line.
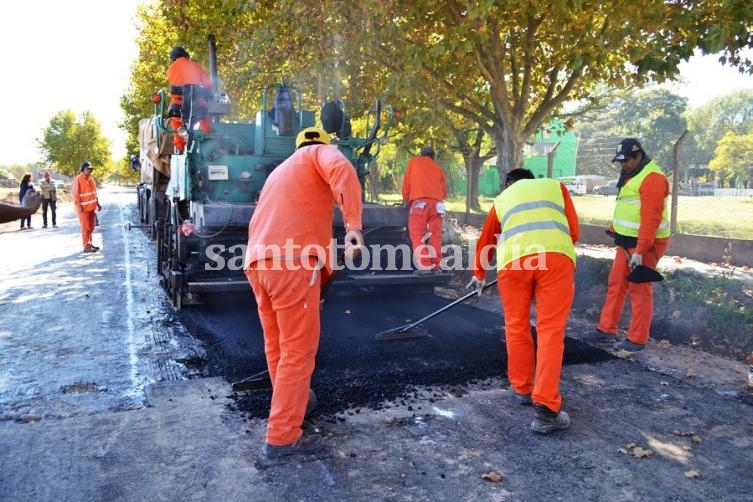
(627,212)
(533,221)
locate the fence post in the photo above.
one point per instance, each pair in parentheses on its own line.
(675,182)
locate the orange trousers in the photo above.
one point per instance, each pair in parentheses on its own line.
(424,217)
(288,304)
(86,219)
(537,372)
(179,142)
(641,295)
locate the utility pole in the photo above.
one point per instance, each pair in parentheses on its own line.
(675,182)
(550,159)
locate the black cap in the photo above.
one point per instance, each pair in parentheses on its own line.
(86,165)
(519,174)
(178,52)
(427,151)
(626,149)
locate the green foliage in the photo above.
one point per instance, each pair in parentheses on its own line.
(731,113)
(723,300)
(69,140)
(654,116)
(502,69)
(733,159)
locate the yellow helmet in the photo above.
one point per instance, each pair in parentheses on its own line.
(311,136)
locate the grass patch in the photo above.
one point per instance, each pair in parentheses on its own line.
(714,216)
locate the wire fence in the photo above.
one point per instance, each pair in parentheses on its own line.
(699,207)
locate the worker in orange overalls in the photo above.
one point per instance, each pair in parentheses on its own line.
(182,72)
(640,228)
(288,251)
(424,189)
(85,202)
(533,226)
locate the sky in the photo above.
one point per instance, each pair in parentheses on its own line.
(77,54)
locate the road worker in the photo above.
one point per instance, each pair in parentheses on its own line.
(533,226)
(640,226)
(85,202)
(424,189)
(289,239)
(184,71)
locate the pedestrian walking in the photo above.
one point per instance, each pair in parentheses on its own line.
(640,228)
(289,238)
(533,226)
(85,202)
(49,199)
(424,190)
(25,187)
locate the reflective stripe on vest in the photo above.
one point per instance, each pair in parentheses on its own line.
(532,216)
(627,212)
(88,198)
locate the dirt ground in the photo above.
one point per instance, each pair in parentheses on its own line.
(667,423)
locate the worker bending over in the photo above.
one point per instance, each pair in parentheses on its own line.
(288,243)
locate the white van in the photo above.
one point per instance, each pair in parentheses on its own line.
(575,184)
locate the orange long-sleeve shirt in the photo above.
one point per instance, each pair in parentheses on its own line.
(653,192)
(424,179)
(183,71)
(297,204)
(487,241)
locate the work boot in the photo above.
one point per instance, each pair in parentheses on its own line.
(596,335)
(546,421)
(311,404)
(522,399)
(90,249)
(306,445)
(96,248)
(628,345)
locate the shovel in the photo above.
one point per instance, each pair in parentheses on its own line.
(642,273)
(410,331)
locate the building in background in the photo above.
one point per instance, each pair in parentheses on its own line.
(556,140)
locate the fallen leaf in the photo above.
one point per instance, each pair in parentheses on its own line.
(696,439)
(664,384)
(623,451)
(692,474)
(492,476)
(631,445)
(683,433)
(347,311)
(664,344)
(639,452)
(687,448)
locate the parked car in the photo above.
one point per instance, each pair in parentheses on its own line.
(609,189)
(574,184)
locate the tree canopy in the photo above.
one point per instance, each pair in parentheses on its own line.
(504,67)
(69,140)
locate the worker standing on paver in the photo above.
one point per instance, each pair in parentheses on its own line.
(533,226)
(424,189)
(183,71)
(288,244)
(640,227)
